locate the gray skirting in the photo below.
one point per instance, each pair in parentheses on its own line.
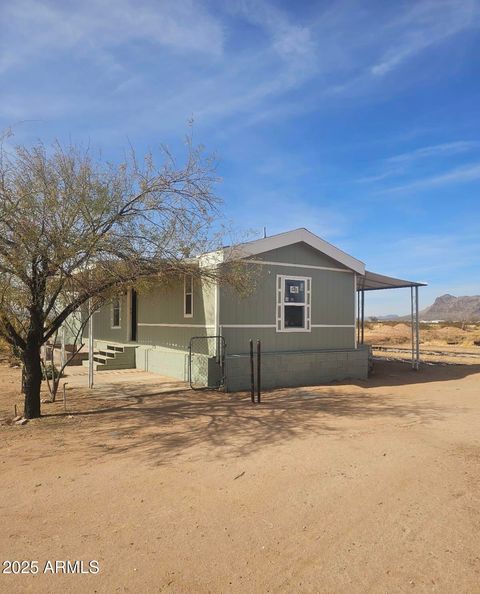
(305,368)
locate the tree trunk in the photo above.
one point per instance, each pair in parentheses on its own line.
(33,379)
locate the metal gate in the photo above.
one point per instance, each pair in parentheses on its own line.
(206,362)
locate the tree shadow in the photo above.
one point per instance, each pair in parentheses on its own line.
(162,426)
(153,421)
(399,373)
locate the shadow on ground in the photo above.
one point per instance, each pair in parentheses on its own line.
(129,419)
(400,373)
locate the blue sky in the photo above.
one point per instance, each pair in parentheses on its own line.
(357,120)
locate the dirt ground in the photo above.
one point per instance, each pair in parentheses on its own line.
(454,335)
(369,486)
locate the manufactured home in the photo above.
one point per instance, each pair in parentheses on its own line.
(303,308)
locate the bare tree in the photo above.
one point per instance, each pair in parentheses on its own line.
(74,227)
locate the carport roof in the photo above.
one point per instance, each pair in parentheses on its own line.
(371,281)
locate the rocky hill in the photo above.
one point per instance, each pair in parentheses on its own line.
(450,308)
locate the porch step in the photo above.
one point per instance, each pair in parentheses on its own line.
(111,356)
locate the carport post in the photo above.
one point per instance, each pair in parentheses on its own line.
(363,317)
(90,345)
(412,327)
(358,317)
(252,383)
(259,368)
(415,327)
(417,330)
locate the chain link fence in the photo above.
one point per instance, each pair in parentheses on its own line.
(206,362)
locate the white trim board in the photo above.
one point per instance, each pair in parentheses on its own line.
(248,326)
(269,263)
(178,325)
(333,325)
(274,326)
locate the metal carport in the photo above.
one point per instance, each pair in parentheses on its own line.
(371,281)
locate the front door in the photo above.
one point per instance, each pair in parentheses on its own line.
(133,318)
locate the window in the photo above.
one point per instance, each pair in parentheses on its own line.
(188,296)
(293,303)
(116,312)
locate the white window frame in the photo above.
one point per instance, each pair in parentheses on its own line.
(280,303)
(185,293)
(112,325)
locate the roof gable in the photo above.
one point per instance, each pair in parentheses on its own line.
(274,242)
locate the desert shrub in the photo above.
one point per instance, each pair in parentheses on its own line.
(388,333)
(9,354)
(50,371)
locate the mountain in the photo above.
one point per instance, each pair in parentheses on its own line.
(454,309)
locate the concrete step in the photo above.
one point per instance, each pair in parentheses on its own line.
(115,348)
(96,365)
(102,358)
(114,356)
(110,354)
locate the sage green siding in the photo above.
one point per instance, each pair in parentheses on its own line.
(164,305)
(160,316)
(299,253)
(102,323)
(164,332)
(332,304)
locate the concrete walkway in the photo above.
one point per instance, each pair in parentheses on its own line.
(77,377)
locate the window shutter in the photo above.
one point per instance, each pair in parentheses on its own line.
(279,301)
(308,305)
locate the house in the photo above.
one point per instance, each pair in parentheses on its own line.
(303,308)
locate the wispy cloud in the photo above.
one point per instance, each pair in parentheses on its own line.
(31,28)
(436,150)
(289,40)
(401,164)
(424,25)
(463,174)
(446,261)
(148,54)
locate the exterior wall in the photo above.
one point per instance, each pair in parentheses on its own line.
(102,323)
(290,369)
(71,328)
(332,304)
(163,333)
(160,317)
(174,363)
(324,353)
(171,362)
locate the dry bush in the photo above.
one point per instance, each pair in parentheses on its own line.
(443,334)
(388,333)
(7,356)
(449,335)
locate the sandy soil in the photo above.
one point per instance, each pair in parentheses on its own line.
(364,487)
(438,335)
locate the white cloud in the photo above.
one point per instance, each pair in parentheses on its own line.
(35,28)
(289,40)
(400,164)
(463,174)
(427,23)
(161,62)
(436,150)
